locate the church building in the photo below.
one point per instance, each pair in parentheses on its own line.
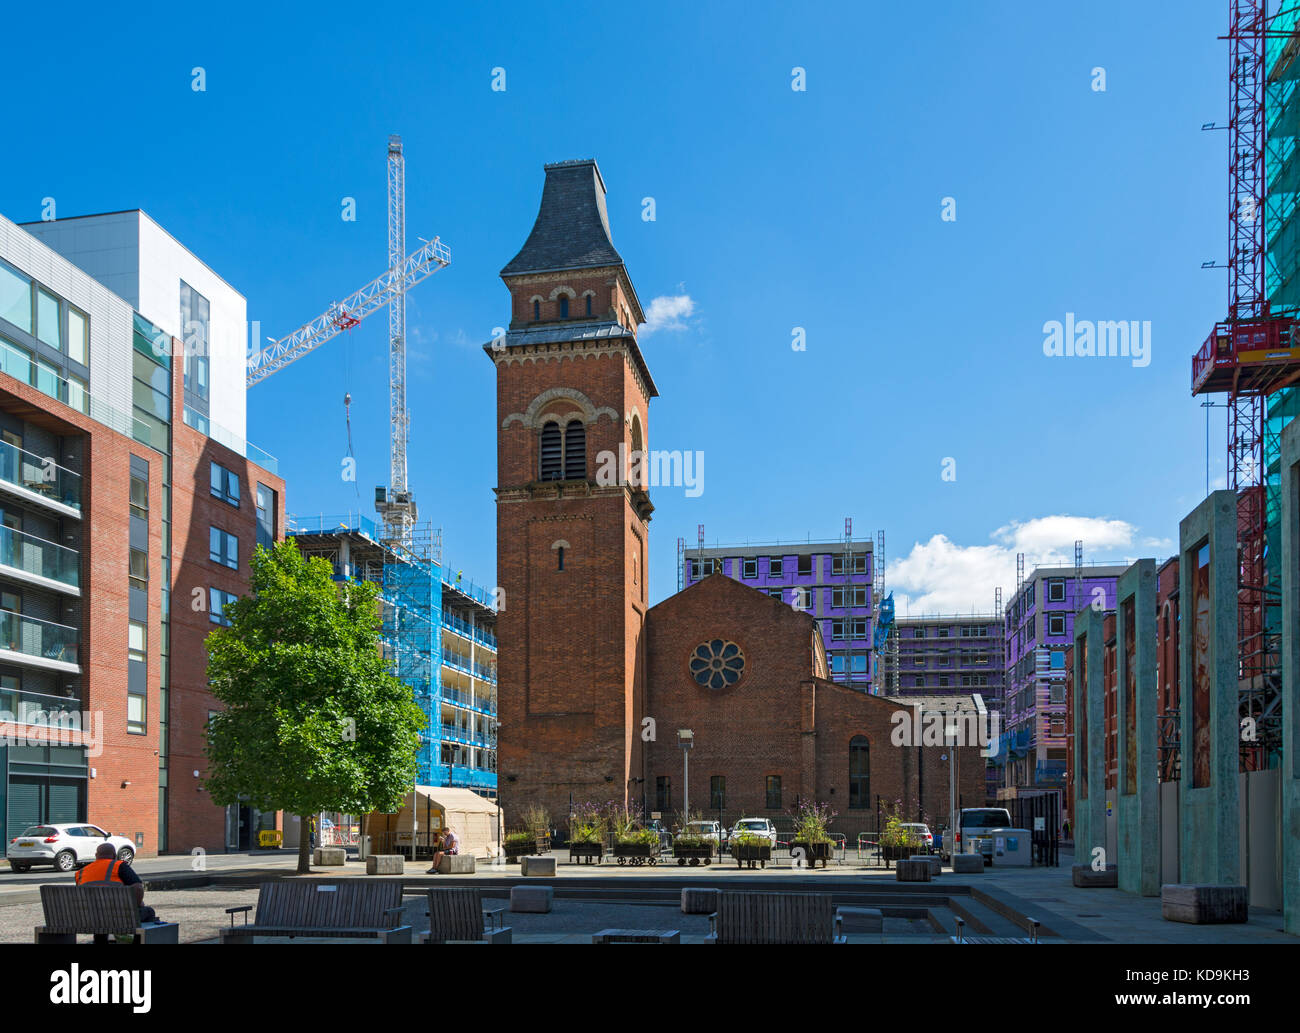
(594,685)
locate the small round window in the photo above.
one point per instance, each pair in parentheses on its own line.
(717,664)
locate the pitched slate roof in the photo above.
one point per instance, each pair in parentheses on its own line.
(572,227)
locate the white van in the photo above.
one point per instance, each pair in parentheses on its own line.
(973,832)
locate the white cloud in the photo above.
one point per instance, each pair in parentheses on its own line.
(941,576)
(667,312)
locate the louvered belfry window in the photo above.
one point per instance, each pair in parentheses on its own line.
(551,463)
(575,451)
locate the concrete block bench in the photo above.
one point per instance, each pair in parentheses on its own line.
(1085,876)
(532,900)
(538,866)
(699,900)
(912,871)
(456,864)
(860,919)
(329,857)
(968,864)
(936,865)
(385,864)
(1203,905)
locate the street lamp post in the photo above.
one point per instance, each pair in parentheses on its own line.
(950,740)
(686,739)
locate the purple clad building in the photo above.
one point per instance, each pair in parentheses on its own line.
(1039,625)
(824,579)
(940,656)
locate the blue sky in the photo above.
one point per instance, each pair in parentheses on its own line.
(775,209)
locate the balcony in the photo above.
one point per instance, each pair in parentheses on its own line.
(36,708)
(461,662)
(466,630)
(457,698)
(37,643)
(25,557)
(39,480)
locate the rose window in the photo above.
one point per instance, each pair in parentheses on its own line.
(717,664)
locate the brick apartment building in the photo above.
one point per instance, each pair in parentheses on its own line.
(594,684)
(131,505)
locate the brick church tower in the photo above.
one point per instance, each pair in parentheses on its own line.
(572,391)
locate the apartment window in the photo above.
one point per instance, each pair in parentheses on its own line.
(225,484)
(1056,590)
(858,629)
(918,633)
(837,631)
(717,792)
(805,566)
(135,713)
(196,336)
(15,298)
(943,681)
(919,661)
(775,566)
(139,569)
(859,663)
(751,567)
(265,515)
(695,569)
(1030,626)
(945,661)
(837,664)
(980,659)
(1029,595)
(663,794)
(139,497)
(773,792)
(78,394)
(217,601)
(774,593)
(860,564)
(943,632)
(859,773)
(136,641)
(1056,624)
(223,548)
(49,330)
(78,337)
(15,361)
(711,566)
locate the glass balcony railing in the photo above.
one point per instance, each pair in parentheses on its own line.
(34,555)
(38,638)
(459,698)
(39,474)
(463,627)
(36,708)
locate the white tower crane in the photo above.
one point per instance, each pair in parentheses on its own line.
(396,504)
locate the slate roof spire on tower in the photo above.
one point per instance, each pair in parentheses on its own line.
(572,227)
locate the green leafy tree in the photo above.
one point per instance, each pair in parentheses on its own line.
(313,720)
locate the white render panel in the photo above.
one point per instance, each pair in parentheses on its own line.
(109,315)
(164,263)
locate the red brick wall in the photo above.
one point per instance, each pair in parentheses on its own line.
(194,821)
(778,719)
(571,643)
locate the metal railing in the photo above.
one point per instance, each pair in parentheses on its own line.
(37,708)
(32,555)
(450,620)
(39,638)
(457,697)
(461,662)
(40,475)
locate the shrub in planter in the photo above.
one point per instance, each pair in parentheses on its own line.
(518,844)
(748,848)
(693,850)
(637,845)
(896,842)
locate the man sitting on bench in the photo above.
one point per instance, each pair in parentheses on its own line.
(107,868)
(447,844)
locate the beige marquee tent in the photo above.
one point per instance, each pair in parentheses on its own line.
(475,820)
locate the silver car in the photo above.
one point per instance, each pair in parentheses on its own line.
(64,847)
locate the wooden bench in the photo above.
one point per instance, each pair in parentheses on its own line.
(774,918)
(100,910)
(456,913)
(353,909)
(637,936)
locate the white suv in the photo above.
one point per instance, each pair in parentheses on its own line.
(755,827)
(707,830)
(63,846)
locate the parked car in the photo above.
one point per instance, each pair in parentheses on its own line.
(64,847)
(923,830)
(754,827)
(971,835)
(709,830)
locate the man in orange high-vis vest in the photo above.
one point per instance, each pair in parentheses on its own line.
(107,868)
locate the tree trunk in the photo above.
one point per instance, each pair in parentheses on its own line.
(304,845)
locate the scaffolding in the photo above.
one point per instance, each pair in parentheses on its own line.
(412,587)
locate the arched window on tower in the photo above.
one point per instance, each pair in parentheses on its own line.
(575,451)
(859,773)
(564,306)
(588,304)
(551,468)
(537,310)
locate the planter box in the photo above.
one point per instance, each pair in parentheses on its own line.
(898,853)
(514,851)
(590,851)
(748,855)
(636,853)
(693,855)
(814,852)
